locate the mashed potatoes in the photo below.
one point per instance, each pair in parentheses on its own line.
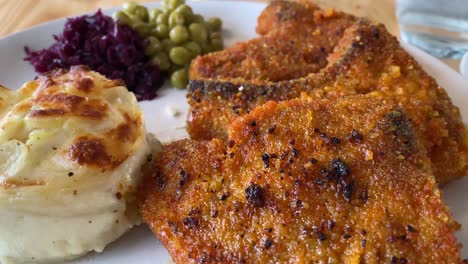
(72,145)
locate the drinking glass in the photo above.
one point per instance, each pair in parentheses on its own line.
(440,27)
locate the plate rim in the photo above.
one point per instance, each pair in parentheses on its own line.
(111,9)
(443,69)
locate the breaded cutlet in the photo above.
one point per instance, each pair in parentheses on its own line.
(365,60)
(297,41)
(301,181)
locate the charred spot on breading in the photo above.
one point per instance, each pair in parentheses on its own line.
(255,195)
(398,125)
(355,136)
(183,178)
(191,222)
(340,168)
(266,160)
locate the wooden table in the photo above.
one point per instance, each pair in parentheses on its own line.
(17,15)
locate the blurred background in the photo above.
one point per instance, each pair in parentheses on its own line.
(17,15)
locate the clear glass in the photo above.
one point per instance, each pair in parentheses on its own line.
(439,27)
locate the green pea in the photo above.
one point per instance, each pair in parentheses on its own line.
(214,23)
(197,18)
(198,32)
(216,44)
(122,17)
(185,10)
(180,55)
(179,79)
(164,4)
(130,7)
(167,45)
(142,13)
(179,34)
(162,60)
(143,29)
(194,48)
(154,13)
(216,35)
(160,31)
(174,68)
(154,45)
(173,4)
(176,19)
(162,19)
(206,48)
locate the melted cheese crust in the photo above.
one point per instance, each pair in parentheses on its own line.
(72,145)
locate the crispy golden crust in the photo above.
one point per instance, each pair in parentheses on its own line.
(329,181)
(281,13)
(296,48)
(366,60)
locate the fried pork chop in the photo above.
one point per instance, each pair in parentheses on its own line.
(328,181)
(297,41)
(366,60)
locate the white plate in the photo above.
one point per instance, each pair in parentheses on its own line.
(139,245)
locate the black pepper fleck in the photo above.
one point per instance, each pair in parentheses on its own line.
(321,236)
(346,236)
(340,168)
(376,33)
(70,174)
(215,213)
(320,182)
(224,196)
(268,243)
(271,129)
(335,141)
(191,222)
(295,152)
(411,228)
(183,178)
(348,190)
(355,137)
(160,179)
(255,195)
(266,160)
